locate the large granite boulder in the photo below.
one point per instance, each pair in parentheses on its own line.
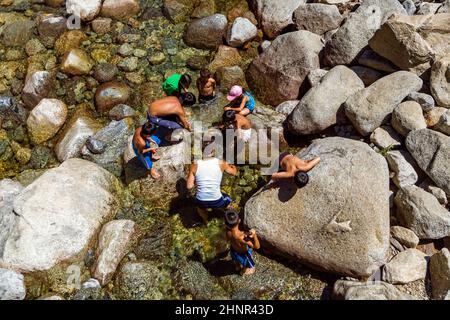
(368,109)
(272,76)
(378,290)
(431,150)
(320,107)
(421,212)
(348,42)
(440,81)
(59,215)
(317,17)
(339,222)
(407,266)
(9,189)
(206,33)
(12,285)
(440,274)
(274,16)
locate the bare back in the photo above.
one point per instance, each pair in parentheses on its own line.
(165,107)
(237,240)
(138,141)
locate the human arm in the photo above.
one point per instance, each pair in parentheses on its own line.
(190,183)
(184,121)
(255,243)
(310,164)
(229,168)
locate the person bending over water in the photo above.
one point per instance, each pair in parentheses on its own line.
(142,146)
(294,167)
(177,83)
(241,124)
(206,87)
(207,175)
(169,112)
(241,101)
(242,244)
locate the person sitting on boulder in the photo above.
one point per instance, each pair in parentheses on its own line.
(241,101)
(242,244)
(168,113)
(206,87)
(294,167)
(206,175)
(142,145)
(241,124)
(176,83)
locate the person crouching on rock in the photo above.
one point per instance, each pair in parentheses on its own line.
(176,83)
(206,175)
(242,244)
(243,126)
(241,101)
(294,167)
(206,86)
(142,145)
(168,114)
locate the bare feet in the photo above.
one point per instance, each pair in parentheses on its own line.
(156,158)
(155,175)
(248,271)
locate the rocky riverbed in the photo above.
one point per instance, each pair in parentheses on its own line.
(363,84)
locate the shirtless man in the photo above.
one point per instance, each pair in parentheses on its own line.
(206,87)
(142,145)
(242,244)
(294,167)
(169,113)
(241,124)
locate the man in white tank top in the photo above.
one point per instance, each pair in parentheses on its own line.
(206,175)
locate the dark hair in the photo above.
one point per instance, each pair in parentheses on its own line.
(205,73)
(187,99)
(301,179)
(185,81)
(148,129)
(231,219)
(229,116)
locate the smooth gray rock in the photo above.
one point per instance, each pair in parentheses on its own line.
(440,83)
(317,18)
(271,75)
(370,108)
(206,33)
(240,32)
(420,211)
(314,76)
(408,116)
(12,286)
(385,137)
(425,100)
(402,163)
(444,123)
(440,274)
(320,107)
(274,15)
(407,266)
(115,137)
(359,27)
(405,236)
(287,107)
(59,214)
(9,189)
(351,290)
(115,240)
(348,226)
(431,150)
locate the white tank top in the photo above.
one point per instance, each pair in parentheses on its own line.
(208,179)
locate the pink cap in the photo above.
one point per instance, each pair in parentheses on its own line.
(235,92)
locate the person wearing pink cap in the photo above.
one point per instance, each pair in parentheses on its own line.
(241,102)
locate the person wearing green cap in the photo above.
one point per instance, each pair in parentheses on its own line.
(175,83)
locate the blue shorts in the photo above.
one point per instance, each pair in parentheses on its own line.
(165,122)
(245,260)
(146,158)
(216,204)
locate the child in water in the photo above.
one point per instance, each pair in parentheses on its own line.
(241,102)
(145,144)
(206,87)
(241,124)
(176,83)
(242,244)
